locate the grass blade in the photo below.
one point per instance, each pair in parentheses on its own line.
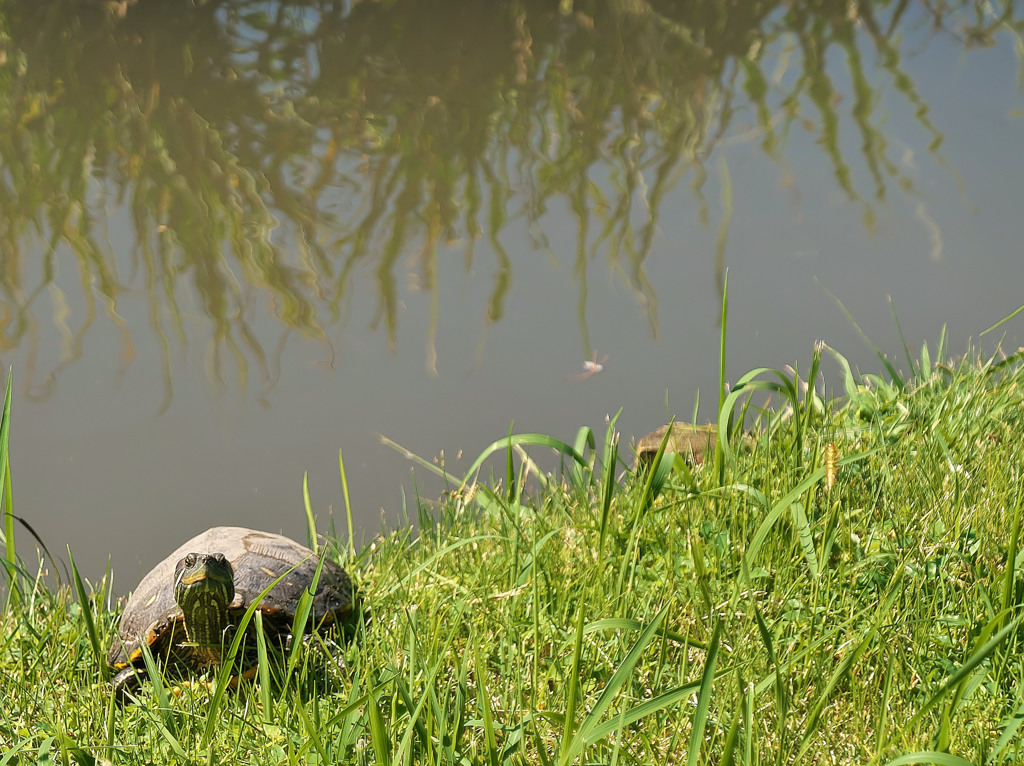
(843,670)
(721,443)
(1010,727)
(310,520)
(783,505)
(379,737)
(90,624)
(964,671)
(646,708)
(163,701)
(777,510)
(803,531)
(484,701)
(700,716)
(894,374)
(568,730)
(263,669)
(1014,542)
(348,508)
(223,677)
(10,552)
(611,456)
(573,747)
(1002,321)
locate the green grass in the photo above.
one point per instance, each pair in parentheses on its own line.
(742,612)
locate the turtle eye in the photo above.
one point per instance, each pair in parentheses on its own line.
(190,560)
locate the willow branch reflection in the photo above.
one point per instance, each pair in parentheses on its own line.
(270,155)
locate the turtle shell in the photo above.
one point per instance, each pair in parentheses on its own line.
(152,617)
(694,443)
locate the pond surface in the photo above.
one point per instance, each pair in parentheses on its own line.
(240,238)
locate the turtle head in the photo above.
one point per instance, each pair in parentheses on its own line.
(204,586)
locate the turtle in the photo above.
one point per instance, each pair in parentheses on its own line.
(186,608)
(690,441)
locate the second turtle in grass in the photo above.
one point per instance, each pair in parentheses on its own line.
(187,607)
(694,443)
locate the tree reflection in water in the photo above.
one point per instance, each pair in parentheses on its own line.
(270,154)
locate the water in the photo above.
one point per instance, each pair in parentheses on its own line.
(230,250)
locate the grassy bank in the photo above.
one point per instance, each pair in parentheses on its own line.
(837,592)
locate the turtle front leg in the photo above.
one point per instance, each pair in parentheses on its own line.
(125,684)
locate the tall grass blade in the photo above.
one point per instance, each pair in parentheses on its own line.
(781,695)
(163,701)
(803,531)
(849,382)
(842,670)
(90,624)
(311,732)
(379,736)
(913,368)
(540,748)
(416,723)
(629,716)
(748,724)
(353,709)
(1009,575)
(608,484)
(510,473)
(171,740)
(484,701)
(811,405)
(222,680)
(307,504)
(584,439)
(301,618)
(728,757)
(721,443)
(656,480)
(263,669)
(745,386)
(428,681)
(783,505)
(1010,727)
(458,726)
(926,363)
(894,374)
(572,693)
(963,673)
(525,440)
(883,708)
(10,551)
(1015,358)
(572,747)
(627,624)
(1005,319)
(408,455)
(11,756)
(700,715)
(348,508)
(660,468)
